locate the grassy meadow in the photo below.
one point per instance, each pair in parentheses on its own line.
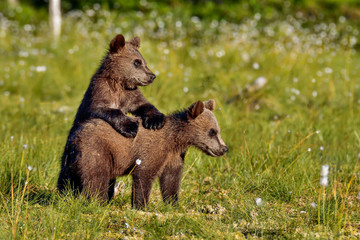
(267,186)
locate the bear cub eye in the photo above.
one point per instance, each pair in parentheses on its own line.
(137,63)
(212,132)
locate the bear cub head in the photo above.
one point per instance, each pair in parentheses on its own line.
(205,128)
(127,64)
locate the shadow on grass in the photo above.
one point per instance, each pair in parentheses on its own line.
(265,233)
(45,196)
(41,195)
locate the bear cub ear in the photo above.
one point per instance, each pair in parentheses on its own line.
(117,43)
(210,104)
(135,42)
(195,110)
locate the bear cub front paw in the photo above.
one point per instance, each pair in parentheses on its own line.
(153,120)
(128,127)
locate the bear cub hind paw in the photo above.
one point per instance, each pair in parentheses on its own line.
(154,120)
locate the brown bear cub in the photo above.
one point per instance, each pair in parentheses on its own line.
(102,154)
(112,93)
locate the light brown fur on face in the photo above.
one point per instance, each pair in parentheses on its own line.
(131,68)
(103,154)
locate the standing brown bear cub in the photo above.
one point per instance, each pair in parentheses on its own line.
(102,154)
(112,93)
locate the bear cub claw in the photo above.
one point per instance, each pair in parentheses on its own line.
(128,127)
(153,120)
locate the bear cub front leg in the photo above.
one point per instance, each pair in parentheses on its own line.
(127,127)
(123,124)
(153,120)
(151,117)
(170,180)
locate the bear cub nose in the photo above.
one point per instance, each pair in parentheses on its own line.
(152,77)
(225,149)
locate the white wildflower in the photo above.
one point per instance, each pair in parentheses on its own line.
(40,68)
(28,27)
(296,91)
(324,170)
(313,205)
(23,54)
(186,89)
(309,149)
(138,161)
(321,148)
(256,66)
(25,146)
(328,70)
(90,12)
(258,202)
(324,181)
(30,168)
(11,138)
(96,6)
(260,82)
(245,57)
(220,53)
(342,19)
(353,41)
(303,212)
(257,16)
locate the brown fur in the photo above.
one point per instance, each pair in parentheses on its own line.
(103,154)
(112,93)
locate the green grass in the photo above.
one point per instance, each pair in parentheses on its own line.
(306,116)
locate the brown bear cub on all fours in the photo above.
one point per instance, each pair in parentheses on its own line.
(112,93)
(101,154)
